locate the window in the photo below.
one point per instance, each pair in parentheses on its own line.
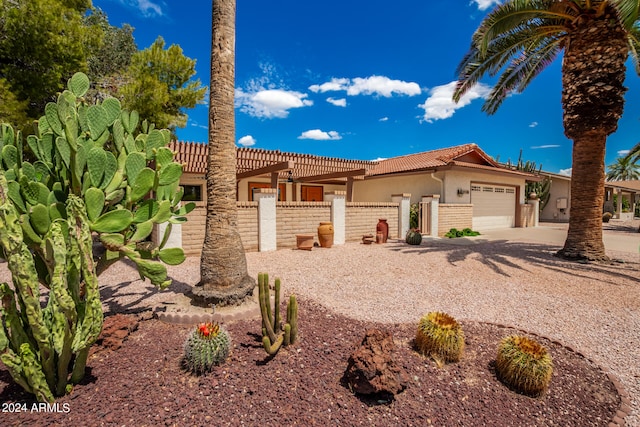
(192,193)
(282,190)
(499,190)
(487,189)
(510,190)
(476,188)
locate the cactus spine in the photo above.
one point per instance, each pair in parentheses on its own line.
(274,335)
(90,169)
(524,364)
(207,346)
(440,336)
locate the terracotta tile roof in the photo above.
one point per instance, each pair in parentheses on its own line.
(627,185)
(433,159)
(194,155)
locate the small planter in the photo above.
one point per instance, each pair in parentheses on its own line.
(304,241)
(414,237)
(325,234)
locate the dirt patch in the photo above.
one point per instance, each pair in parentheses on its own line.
(142,383)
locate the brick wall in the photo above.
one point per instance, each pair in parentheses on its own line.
(299,218)
(454,216)
(193,229)
(362,218)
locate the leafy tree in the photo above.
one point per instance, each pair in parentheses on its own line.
(160,85)
(11,108)
(41,45)
(624,169)
(224,278)
(518,39)
(109,52)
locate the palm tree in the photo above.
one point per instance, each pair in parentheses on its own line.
(519,38)
(223,266)
(634,154)
(624,169)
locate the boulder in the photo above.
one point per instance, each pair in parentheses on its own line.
(372,369)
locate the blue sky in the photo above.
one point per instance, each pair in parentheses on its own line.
(365,79)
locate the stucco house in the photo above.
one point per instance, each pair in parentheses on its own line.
(457,187)
(558,209)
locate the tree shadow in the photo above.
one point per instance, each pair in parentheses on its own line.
(498,255)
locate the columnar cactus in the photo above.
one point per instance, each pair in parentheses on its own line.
(88,170)
(274,335)
(207,346)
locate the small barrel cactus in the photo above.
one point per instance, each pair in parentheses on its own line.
(207,346)
(414,237)
(441,337)
(524,365)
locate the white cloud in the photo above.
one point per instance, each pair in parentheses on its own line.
(148,8)
(320,135)
(334,85)
(623,153)
(373,85)
(198,125)
(533,124)
(439,105)
(485,4)
(566,172)
(545,146)
(384,119)
(342,102)
(247,141)
(379,159)
(270,103)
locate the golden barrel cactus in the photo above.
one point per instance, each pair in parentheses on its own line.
(524,365)
(441,337)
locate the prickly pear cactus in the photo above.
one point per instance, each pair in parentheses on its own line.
(206,347)
(88,170)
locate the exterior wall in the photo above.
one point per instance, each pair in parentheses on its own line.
(454,216)
(299,218)
(527,218)
(193,229)
(560,188)
(243,188)
(362,218)
(381,189)
(455,179)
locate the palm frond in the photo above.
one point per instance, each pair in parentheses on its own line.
(634,154)
(634,46)
(628,10)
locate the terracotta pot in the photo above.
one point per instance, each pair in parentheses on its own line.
(383,228)
(304,241)
(325,234)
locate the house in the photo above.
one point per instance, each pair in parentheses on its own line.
(558,209)
(456,187)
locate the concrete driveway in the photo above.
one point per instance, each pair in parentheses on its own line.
(620,236)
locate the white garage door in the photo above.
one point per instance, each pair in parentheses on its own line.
(494,206)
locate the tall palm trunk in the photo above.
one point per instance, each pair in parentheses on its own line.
(223,265)
(593,72)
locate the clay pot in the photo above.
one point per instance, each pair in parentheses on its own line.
(383,228)
(325,234)
(304,241)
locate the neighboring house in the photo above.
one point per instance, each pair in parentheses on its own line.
(558,209)
(461,175)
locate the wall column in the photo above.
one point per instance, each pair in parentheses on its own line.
(266,198)
(535,205)
(338,215)
(433,201)
(404,212)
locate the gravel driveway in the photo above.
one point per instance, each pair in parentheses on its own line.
(593,308)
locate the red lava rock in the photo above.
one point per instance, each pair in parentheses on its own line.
(116,329)
(372,368)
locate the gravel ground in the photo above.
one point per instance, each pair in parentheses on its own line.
(592,308)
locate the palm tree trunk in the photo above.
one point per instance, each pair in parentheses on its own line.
(593,72)
(584,238)
(223,264)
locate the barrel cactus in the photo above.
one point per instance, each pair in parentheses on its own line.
(524,365)
(413,237)
(88,171)
(440,336)
(207,346)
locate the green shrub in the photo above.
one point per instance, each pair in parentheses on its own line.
(454,232)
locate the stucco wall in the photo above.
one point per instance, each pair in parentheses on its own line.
(381,189)
(456,179)
(560,188)
(243,188)
(362,218)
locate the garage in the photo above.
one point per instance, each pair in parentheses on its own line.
(494,206)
